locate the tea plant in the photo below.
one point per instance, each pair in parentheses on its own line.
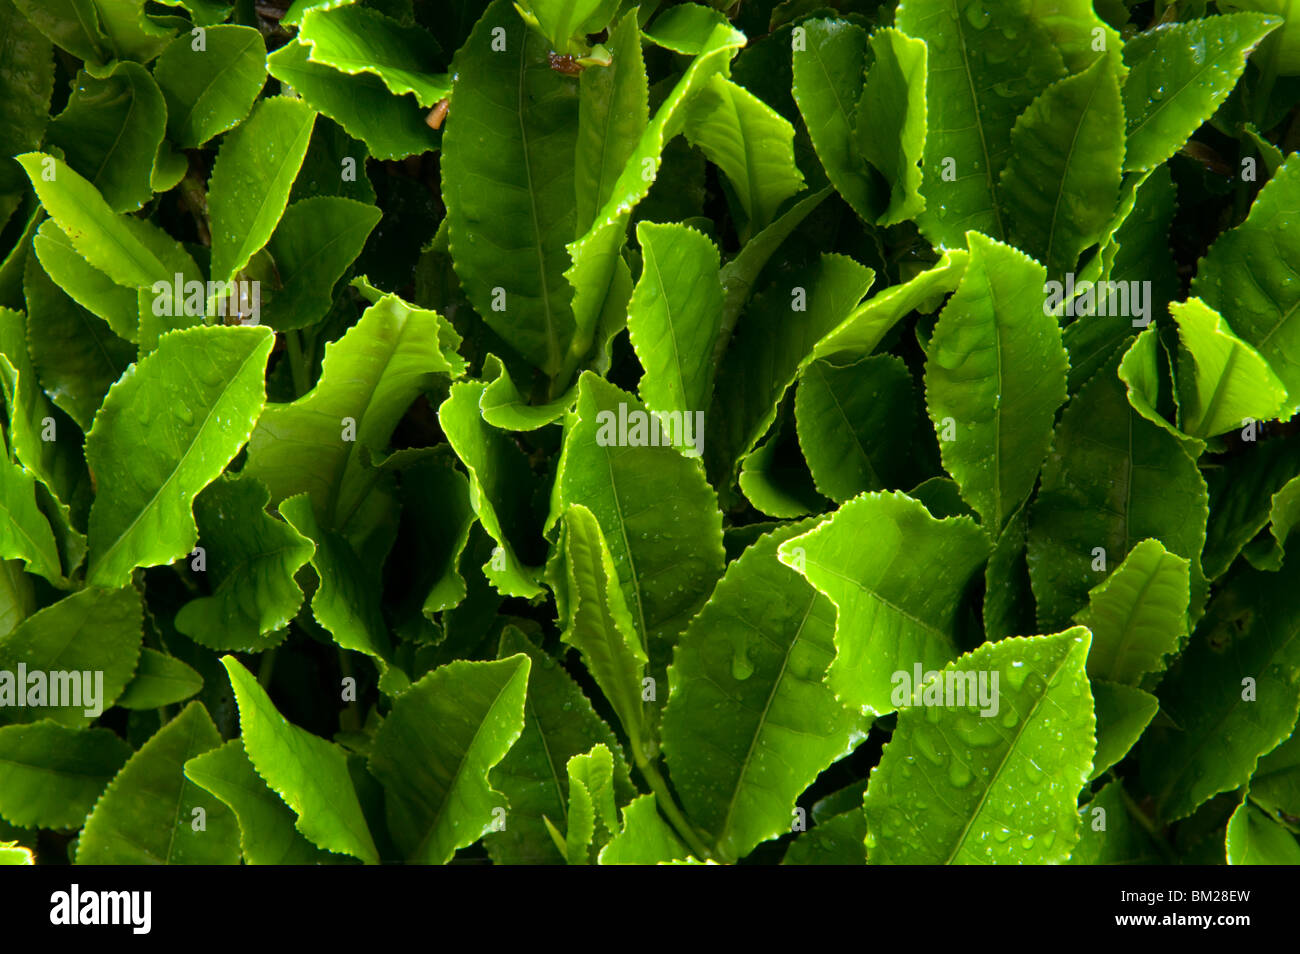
(575,431)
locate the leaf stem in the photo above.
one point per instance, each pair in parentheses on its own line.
(668,805)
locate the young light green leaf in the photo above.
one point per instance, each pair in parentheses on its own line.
(355,39)
(251,178)
(1254,838)
(888,615)
(596,254)
(1222,381)
(83,283)
(1085,518)
(51,776)
(309,773)
(501,491)
(855,422)
(165,431)
(646,839)
(1006,777)
(751,143)
(25,531)
(593,815)
(667,555)
(252,558)
(890,120)
(348,600)
(563,21)
(393,127)
(868,323)
(93,637)
(746,683)
(674,317)
(559,723)
(209,90)
(146,815)
(369,378)
(159,680)
(131,33)
(1062,181)
(1181,79)
(1137,615)
(266,824)
(599,625)
(1248,275)
(994,377)
(130,251)
(434,752)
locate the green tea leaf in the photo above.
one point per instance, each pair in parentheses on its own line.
(159,680)
(355,39)
(509,186)
(51,776)
(1222,382)
(855,423)
(91,639)
(674,317)
(599,625)
(111,132)
(393,127)
(559,723)
(250,182)
(889,616)
(1005,778)
(829,75)
(1181,79)
(1137,615)
(746,683)
(315,242)
(166,430)
(751,143)
(890,120)
(212,89)
(1062,181)
(1111,480)
(665,567)
(1123,714)
(499,491)
(266,824)
(86,285)
(252,558)
(995,375)
(26,85)
(309,773)
(147,813)
(981,76)
(368,379)
(434,751)
(646,839)
(1256,839)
